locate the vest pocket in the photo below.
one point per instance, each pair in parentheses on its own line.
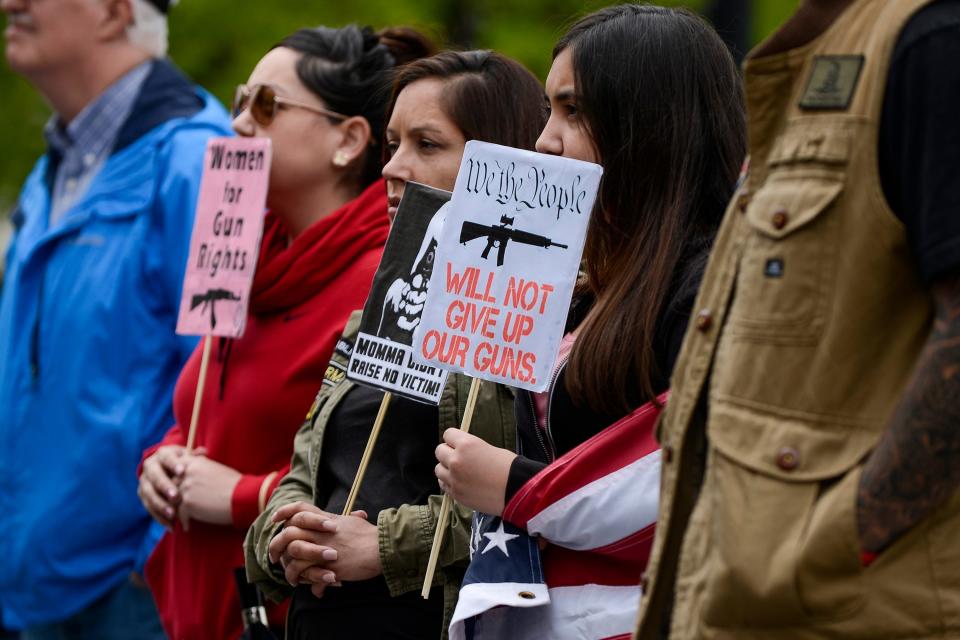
(783,281)
(828,568)
(782,553)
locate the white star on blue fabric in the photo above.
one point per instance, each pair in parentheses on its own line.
(499,539)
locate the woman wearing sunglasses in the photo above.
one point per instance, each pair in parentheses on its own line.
(378,556)
(319,97)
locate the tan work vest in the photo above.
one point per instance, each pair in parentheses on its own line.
(809,321)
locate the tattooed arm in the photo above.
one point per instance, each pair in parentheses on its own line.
(916,466)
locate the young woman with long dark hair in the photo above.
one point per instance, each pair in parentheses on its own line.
(653,96)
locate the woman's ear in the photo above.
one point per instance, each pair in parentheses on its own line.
(355,140)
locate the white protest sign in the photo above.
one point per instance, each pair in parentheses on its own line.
(506,265)
(226,237)
(383,356)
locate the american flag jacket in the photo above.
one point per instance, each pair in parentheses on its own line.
(565,559)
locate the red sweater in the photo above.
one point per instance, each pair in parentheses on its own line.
(258,389)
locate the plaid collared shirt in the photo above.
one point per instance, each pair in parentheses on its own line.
(85,144)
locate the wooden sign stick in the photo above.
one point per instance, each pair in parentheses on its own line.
(365,460)
(198,398)
(447,502)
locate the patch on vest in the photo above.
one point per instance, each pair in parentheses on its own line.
(344,347)
(334,374)
(832,82)
(774,268)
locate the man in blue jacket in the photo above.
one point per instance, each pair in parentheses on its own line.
(88,309)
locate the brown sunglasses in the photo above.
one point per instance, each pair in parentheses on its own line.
(263,102)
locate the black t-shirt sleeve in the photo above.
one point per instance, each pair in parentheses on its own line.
(919,147)
(521,470)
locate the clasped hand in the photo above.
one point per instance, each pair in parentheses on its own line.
(321,549)
(177,484)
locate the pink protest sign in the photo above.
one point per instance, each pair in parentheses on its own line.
(226,237)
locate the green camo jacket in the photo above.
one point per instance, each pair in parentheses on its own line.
(406,532)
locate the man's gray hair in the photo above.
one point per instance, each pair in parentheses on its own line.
(149,28)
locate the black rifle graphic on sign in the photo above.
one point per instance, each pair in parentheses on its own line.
(499,235)
(209,299)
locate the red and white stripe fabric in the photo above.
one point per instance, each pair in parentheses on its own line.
(596,509)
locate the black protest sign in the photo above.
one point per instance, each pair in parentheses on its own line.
(383,355)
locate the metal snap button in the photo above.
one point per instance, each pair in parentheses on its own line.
(704,320)
(780,218)
(788,459)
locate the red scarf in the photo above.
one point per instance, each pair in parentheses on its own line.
(287,275)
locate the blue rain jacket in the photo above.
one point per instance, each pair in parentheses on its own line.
(89,355)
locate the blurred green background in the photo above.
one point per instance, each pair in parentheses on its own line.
(217,43)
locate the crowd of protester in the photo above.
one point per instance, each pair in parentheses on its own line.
(770,268)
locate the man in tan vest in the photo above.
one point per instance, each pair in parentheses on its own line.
(811,445)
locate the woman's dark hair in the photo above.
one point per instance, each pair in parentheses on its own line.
(488,96)
(351,69)
(663,102)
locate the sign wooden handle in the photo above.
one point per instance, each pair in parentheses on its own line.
(367,453)
(447,502)
(437,543)
(198,398)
